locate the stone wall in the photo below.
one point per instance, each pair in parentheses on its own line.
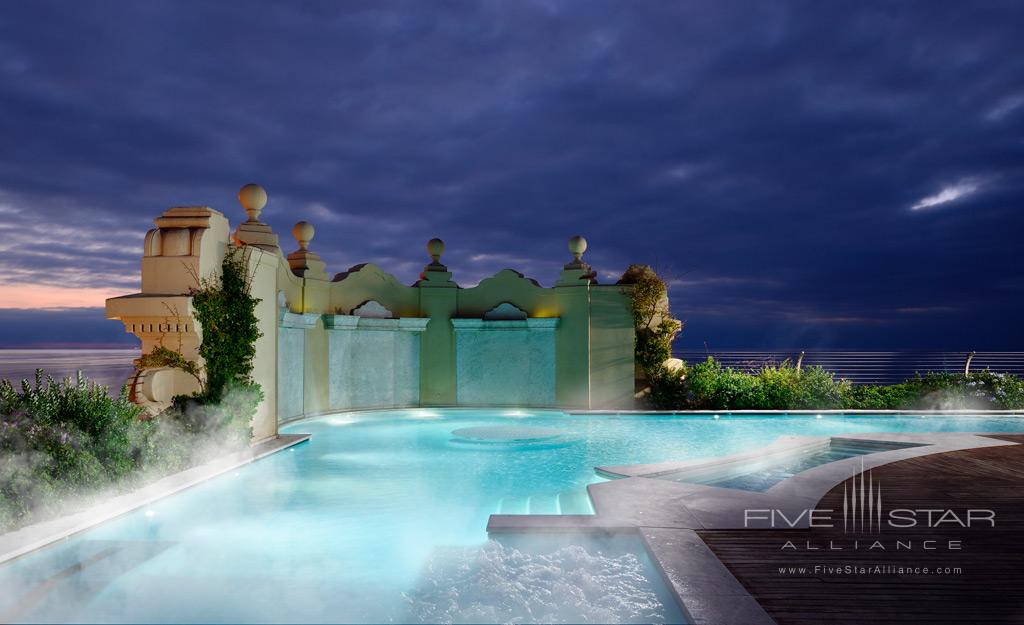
(505,362)
(362,339)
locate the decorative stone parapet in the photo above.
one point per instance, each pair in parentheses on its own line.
(365,339)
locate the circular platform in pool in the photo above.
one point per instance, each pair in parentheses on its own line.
(507,434)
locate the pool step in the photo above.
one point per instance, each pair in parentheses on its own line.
(544,504)
(568,502)
(575,502)
(514,505)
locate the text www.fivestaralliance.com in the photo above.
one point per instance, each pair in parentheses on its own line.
(876,569)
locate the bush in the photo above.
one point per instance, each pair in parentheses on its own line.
(891,397)
(60,439)
(709,386)
(668,389)
(653,324)
(982,390)
(818,389)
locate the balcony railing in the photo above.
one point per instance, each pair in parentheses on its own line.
(861,367)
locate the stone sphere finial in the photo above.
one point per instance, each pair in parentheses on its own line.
(303,233)
(577,245)
(435,247)
(253,198)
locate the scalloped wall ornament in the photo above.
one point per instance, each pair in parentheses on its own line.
(507,276)
(367,271)
(372,309)
(505,311)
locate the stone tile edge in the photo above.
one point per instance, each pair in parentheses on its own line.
(714,597)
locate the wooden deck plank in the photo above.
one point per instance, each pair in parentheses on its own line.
(988,590)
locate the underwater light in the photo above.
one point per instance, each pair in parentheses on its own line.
(425,414)
(716,416)
(338,421)
(516,413)
(817,416)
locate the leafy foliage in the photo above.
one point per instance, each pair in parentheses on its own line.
(978,390)
(890,397)
(654,326)
(709,386)
(61,438)
(226,311)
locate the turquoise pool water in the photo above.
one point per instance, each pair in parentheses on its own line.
(381,517)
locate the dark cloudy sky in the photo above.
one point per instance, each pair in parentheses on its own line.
(808,174)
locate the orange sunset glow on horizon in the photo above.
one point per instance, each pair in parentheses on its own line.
(45,296)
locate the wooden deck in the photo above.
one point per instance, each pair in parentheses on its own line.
(988,589)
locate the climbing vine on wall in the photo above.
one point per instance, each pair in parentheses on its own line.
(226,312)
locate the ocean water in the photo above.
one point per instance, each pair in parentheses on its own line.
(109,367)
(381,517)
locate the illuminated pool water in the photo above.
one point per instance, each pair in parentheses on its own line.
(381,517)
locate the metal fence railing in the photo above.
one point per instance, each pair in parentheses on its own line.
(867,367)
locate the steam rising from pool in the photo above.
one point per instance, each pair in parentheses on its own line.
(496,583)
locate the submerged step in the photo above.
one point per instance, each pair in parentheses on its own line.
(544,504)
(575,502)
(514,505)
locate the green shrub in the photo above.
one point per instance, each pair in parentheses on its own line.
(61,439)
(668,389)
(709,386)
(653,324)
(979,390)
(889,397)
(818,389)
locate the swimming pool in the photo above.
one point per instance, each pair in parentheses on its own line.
(381,517)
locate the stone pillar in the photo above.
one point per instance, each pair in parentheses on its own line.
(439,302)
(313,301)
(572,344)
(188,243)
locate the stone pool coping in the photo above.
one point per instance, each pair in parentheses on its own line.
(667,514)
(801,411)
(683,413)
(38,535)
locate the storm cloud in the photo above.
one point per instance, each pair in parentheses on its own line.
(807,174)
